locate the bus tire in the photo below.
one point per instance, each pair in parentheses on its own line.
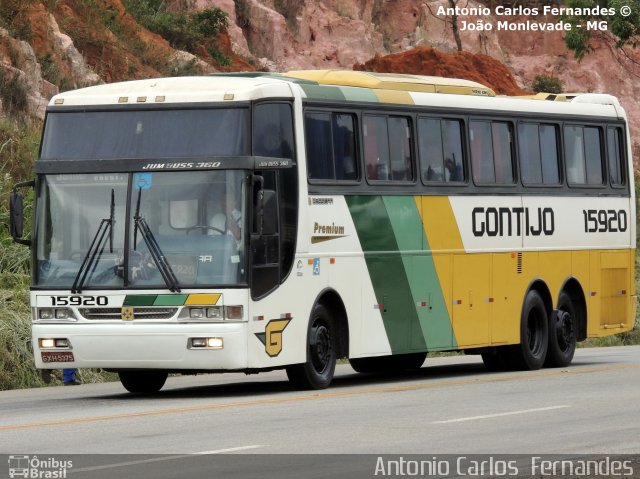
(530,354)
(322,343)
(143,382)
(366,365)
(562,334)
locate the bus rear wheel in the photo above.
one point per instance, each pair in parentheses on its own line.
(143,382)
(534,335)
(562,334)
(318,371)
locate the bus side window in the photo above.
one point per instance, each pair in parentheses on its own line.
(583,155)
(502,152)
(615,150)
(400,149)
(318,138)
(530,158)
(593,155)
(491,152)
(376,148)
(344,149)
(430,149)
(272,130)
(549,154)
(481,152)
(452,149)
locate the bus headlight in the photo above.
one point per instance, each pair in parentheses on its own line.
(212,313)
(63,314)
(215,312)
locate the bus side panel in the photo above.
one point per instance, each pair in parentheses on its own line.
(348,273)
(508,286)
(402,272)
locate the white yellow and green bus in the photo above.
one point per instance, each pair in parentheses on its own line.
(257,221)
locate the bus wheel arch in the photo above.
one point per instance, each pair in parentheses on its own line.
(327,340)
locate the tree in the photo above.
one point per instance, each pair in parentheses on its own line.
(454,25)
(454,21)
(623,26)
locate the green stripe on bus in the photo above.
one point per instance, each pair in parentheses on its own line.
(402,272)
(359,94)
(139,300)
(387,272)
(428,299)
(318,92)
(170,299)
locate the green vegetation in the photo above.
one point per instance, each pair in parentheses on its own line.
(13,93)
(624,25)
(184,31)
(12,19)
(546,84)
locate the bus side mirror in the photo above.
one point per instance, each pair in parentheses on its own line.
(16,213)
(268,212)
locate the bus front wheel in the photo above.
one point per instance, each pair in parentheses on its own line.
(534,335)
(143,382)
(317,372)
(562,334)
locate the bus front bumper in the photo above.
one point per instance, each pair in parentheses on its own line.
(142,346)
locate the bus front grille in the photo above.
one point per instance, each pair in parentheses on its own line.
(117,313)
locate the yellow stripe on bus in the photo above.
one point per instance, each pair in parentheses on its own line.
(203,299)
(443,236)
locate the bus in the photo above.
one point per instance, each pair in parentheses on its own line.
(251,222)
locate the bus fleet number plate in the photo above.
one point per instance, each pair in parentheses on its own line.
(57,356)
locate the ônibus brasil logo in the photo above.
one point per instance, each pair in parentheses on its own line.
(38,468)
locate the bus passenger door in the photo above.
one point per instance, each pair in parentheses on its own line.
(471,298)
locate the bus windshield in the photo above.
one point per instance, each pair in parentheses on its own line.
(175,133)
(197,220)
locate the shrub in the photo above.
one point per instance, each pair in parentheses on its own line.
(183,31)
(546,84)
(13,92)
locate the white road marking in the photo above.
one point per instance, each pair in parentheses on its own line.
(231,449)
(511,413)
(164,458)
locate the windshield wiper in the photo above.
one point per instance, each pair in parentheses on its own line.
(96,248)
(140,224)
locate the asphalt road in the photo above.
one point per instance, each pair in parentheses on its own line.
(450,406)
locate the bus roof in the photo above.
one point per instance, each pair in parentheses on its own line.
(393,81)
(337,86)
(176,90)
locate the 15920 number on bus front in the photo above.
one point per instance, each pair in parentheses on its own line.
(79,300)
(605,221)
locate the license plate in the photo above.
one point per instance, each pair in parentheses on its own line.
(57,356)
